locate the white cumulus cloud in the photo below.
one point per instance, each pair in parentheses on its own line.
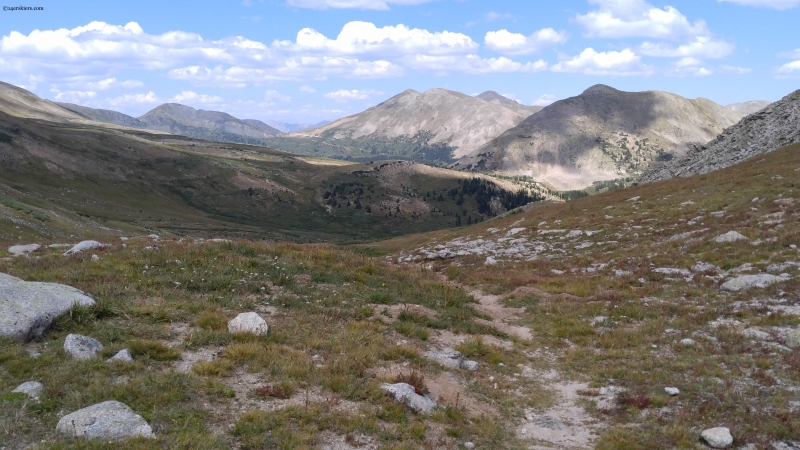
(789,70)
(194,97)
(345,4)
(134,100)
(700,47)
(774,4)
(545,100)
(504,41)
(736,69)
(273,96)
(637,18)
(591,62)
(307,88)
(343,95)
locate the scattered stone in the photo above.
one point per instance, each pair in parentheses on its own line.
(756,334)
(687,341)
(249,322)
(673,391)
(793,339)
(28,308)
(109,421)
(784,445)
(490,261)
(17,250)
(95,258)
(514,231)
(82,347)
(405,393)
(81,246)
(730,236)
(745,282)
(469,445)
(452,359)
(33,353)
(557,272)
(719,437)
(633,199)
(782,267)
(672,271)
(704,267)
(30,388)
(121,356)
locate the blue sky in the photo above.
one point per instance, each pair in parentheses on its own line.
(310,60)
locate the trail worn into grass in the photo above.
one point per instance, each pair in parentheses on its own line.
(566,424)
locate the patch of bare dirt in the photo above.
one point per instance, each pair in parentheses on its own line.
(501,315)
(189,358)
(447,339)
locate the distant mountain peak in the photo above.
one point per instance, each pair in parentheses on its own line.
(600,89)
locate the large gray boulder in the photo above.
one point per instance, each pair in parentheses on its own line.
(82,347)
(405,393)
(109,421)
(745,282)
(28,308)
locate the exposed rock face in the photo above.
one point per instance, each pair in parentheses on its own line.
(82,347)
(459,120)
(110,421)
(17,250)
(747,108)
(406,394)
(28,308)
(775,126)
(249,322)
(601,134)
(81,246)
(745,282)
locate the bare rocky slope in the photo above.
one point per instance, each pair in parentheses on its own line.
(775,126)
(104,115)
(18,102)
(601,134)
(750,107)
(437,116)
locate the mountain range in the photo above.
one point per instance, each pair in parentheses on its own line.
(601,134)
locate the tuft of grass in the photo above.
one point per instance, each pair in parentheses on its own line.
(153,349)
(212,320)
(215,368)
(282,390)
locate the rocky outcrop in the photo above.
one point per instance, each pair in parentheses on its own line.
(83,245)
(109,421)
(406,394)
(775,126)
(29,308)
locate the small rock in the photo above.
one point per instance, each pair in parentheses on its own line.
(745,282)
(514,231)
(84,245)
(405,393)
(471,365)
(469,445)
(82,347)
(121,356)
(452,359)
(95,258)
(756,334)
(719,437)
(490,261)
(30,388)
(687,341)
(784,445)
(673,391)
(793,339)
(730,236)
(249,322)
(110,421)
(17,250)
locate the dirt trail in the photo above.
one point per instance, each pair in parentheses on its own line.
(567,424)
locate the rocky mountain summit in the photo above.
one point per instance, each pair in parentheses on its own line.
(601,134)
(104,115)
(438,116)
(773,127)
